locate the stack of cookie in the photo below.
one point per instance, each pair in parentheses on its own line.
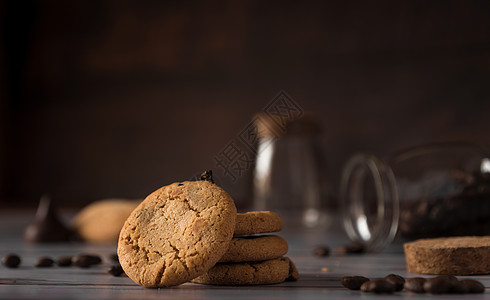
(190,231)
(253,258)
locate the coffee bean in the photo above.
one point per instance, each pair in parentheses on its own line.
(415,285)
(474,286)
(396,280)
(115,258)
(450,277)
(379,286)
(44,262)
(64,261)
(86,260)
(354,248)
(367,286)
(437,285)
(11,261)
(116,270)
(94,259)
(458,287)
(321,251)
(354,282)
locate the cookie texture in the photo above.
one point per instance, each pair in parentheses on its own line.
(247,273)
(454,256)
(176,234)
(101,221)
(255,248)
(256,222)
(293,271)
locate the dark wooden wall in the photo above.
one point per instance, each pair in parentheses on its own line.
(116,98)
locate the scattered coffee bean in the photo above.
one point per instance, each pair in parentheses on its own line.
(379,286)
(321,251)
(367,286)
(11,261)
(86,260)
(64,261)
(354,282)
(116,270)
(437,285)
(474,286)
(458,287)
(115,258)
(450,277)
(43,262)
(415,285)
(354,248)
(396,280)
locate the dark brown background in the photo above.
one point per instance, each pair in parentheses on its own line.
(115,98)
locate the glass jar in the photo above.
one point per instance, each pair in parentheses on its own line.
(289,175)
(427,191)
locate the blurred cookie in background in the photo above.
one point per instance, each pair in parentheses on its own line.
(101,221)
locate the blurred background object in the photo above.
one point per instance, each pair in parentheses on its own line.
(432,190)
(106,98)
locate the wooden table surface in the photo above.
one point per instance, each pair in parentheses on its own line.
(320,277)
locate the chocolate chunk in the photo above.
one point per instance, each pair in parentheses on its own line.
(180,184)
(64,261)
(321,251)
(354,248)
(116,270)
(354,282)
(207,176)
(47,226)
(11,261)
(474,286)
(437,285)
(379,286)
(396,280)
(415,285)
(44,262)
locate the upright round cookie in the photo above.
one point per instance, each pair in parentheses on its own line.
(176,234)
(255,222)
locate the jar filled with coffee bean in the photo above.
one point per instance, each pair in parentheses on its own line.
(427,191)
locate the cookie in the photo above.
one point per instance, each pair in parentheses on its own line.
(101,221)
(255,248)
(455,256)
(256,222)
(176,234)
(247,273)
(293,272)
